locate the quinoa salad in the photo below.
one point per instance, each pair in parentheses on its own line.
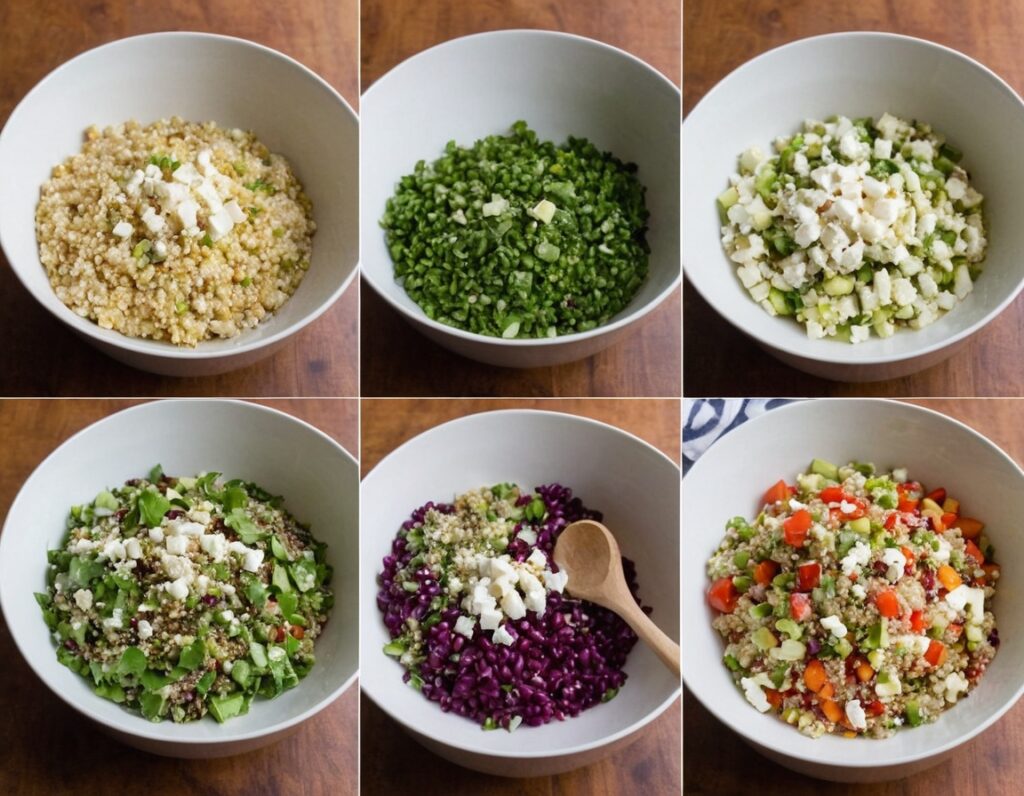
(478,615)
(515,237)
(174,231)
(855,226)
(178,597)
(856,602)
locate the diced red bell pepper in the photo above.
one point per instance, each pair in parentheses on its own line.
(795,528)
(888,603)
(936,653)
(917,621)
(909,555)
(911,489)
(778,491)
(974,551)
(808,575)
(890,521)
(765,571)
(908,505)
(799,606)
(938,495)
(875,708)
(722,595)
(774,697)
(948,519)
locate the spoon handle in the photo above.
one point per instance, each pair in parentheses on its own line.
(664,647)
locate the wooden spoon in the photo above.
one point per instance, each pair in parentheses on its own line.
(589,554)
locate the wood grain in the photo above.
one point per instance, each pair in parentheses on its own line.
(650,766)
(397,361)
(47,748)
(43,357)
(717,38)
(716,761)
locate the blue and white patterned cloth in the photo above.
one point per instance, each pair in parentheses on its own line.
(707,419)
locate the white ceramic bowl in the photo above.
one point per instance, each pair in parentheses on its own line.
(856,74)
(199,77)
(561,85)
(635,486)
(320,484)
(727,481)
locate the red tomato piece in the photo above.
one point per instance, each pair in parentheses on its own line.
(799,606)
(778,491)
(917,621)
(765,571)
(808,575)
(722,595)
(833,494)
(795,528)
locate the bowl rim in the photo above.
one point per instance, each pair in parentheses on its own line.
(841,355)
(779,747)
(370,606)
(152,731)
(157,348)
(417,315)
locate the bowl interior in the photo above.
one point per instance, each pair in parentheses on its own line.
(230,81)
(855,74)
(320,483)
(728,480)
(634,485)
(560,85)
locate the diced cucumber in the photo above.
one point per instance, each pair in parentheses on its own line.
(913,713)
(839,285)
(827,469)
(727,199)
(843,648)
(764,639)
(778,300)
(861,525)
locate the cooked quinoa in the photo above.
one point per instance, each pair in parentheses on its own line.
(182,596)
(855,602)
(174,231)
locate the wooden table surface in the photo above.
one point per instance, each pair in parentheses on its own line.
(43,357)
(397,361)
(716,761)
(47,748)
(720,36)
(389,756)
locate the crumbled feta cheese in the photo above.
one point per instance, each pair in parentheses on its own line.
(123,229)
(855,713)
(83,599)
(502,636)
(896,562)
(145,629)
(857,557)
(177,545)
(133,548)
(835,625)
(252,560)
(464,626)
(178,589)
(753,689)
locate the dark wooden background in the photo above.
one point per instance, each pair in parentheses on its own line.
(46,748)
(392,763)
(42,357)
(397,361)
(717,762)
(720,36)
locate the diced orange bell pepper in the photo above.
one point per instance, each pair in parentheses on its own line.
(888,603)
(827,691)
(864,671)
(765,571)
(948,518)
(774,697)
(832,711)
(936,653)
(907,505)
(815,676)
(969,528)
(948,577)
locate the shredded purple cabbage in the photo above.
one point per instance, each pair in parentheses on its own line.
(559,664)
